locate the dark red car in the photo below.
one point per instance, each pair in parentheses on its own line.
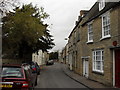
(17,77)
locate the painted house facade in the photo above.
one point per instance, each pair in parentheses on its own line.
(40,57)
(95,47)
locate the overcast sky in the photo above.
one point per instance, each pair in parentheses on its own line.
(63,14)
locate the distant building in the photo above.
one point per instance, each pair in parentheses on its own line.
(60,57)
(40,57)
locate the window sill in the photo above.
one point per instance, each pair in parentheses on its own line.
(107,37)
(89,42)
(98,72)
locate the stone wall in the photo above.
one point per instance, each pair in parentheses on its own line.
(85,49)
(12,61)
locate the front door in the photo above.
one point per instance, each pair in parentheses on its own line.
(85,68)
(117,68)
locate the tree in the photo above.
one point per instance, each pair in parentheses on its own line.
(25,33)
(47,40)
(53,55)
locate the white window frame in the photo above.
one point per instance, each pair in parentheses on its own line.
(97,60)
(90,32)
(106,25)
(101,4)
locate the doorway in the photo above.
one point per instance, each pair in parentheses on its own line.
(117,68)
(85,67)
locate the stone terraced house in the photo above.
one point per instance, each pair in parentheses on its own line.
(94,43)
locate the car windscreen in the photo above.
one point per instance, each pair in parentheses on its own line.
(11,72)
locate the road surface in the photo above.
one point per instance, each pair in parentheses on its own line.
(52,76)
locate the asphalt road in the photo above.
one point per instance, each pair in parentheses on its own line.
(52,76)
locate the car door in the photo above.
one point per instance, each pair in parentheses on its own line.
(33,76)
(28,77)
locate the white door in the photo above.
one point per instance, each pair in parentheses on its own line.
(85,68)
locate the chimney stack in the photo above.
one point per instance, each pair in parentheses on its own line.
(83,12)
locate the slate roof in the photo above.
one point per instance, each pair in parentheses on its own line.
(94,11)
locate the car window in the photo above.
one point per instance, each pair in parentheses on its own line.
(12,72)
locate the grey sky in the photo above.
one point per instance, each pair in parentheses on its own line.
(63,14)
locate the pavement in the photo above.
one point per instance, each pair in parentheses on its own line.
(84,81)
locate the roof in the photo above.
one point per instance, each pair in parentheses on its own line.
(75,26)
(94,11)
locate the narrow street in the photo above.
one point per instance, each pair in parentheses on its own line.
(52,76)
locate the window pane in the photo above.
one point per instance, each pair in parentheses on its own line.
(97,52)
(98,58)
(98,65)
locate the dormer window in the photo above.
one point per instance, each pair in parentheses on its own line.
(101,4)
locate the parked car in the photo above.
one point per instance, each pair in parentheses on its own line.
(35,67)
(17,77)
(50,62)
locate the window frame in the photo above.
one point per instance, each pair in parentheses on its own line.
(107,24)
(89,33)
(101,60)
